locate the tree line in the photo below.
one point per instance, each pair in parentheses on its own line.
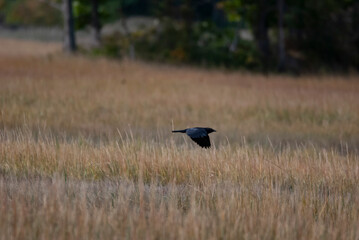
(265,35)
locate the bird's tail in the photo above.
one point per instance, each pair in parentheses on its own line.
(181,131)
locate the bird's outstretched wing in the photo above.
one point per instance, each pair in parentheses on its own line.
(200,136)
(202,141)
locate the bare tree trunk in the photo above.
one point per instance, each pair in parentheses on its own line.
(69,29)
(262,33)
(187,15)
(96,26)
(281,44)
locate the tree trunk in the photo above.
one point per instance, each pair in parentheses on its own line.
(262,33)
(96,26)
(281,44)
(69,29)
(187,16)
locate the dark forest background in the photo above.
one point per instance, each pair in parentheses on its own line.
(260,35)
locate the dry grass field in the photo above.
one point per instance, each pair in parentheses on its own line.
(86,151)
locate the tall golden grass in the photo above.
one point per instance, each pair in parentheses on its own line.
(86,151)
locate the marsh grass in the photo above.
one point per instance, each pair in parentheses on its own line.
(86,152)
(129,189)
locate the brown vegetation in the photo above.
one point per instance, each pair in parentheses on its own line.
(86,151)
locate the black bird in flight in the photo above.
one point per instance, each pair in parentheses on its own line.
(199,135)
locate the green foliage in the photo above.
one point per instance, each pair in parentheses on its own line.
(82,13)
(232,9)
(207,45)
(29,12)
(318,34)
(112,46)
(108,10)
(326,32)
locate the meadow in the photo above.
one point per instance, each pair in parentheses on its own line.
(86,150)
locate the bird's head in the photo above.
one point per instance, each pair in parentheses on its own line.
(210,130)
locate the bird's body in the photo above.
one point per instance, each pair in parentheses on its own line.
(199,135)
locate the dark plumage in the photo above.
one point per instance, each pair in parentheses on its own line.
(199,135)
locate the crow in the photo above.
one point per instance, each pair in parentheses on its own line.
(199,135)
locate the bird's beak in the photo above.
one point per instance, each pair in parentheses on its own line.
(214,130)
